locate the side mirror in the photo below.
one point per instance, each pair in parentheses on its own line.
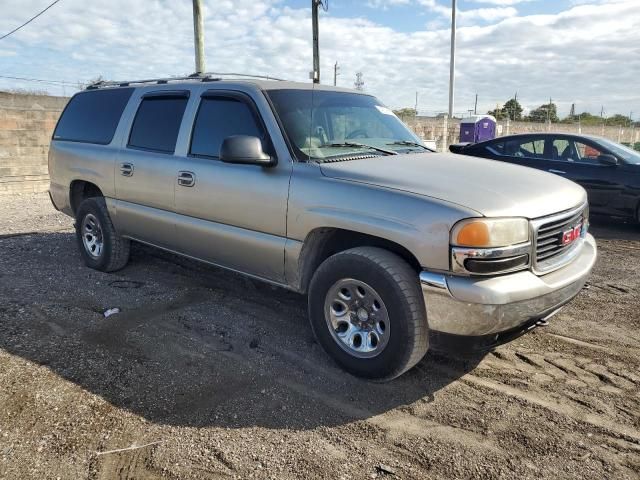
(245,149)
(608,159)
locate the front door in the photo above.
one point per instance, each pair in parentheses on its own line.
(601,182)
(231,215)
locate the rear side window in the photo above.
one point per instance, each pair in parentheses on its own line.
(496,147)
(531,148)
(157,123)
(92,116)
(219,118)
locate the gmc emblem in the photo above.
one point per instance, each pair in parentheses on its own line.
(572,235)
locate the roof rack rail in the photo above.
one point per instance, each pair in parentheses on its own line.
(202,77)
(160,81)
(247,75)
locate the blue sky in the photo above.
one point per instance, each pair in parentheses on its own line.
(575,51)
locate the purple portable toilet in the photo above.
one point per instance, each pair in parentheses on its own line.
(477,128)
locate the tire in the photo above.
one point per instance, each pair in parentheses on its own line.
(393,284)
(109,251)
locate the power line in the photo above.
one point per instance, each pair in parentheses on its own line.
(29,21)
(53,82)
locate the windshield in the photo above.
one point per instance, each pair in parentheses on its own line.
(629,155)
(323,124)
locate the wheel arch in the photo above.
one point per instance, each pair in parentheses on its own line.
(80,190)
(323,242)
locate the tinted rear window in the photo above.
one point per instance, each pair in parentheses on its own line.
(157,123)
(219,118)
(92,116)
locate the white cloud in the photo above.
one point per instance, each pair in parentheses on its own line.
(502,2)
(588,54)
(385,4)
(469,17)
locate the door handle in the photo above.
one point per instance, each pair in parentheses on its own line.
(186,179)
(126,169)
(560,172)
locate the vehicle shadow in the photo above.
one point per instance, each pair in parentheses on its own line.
(607,228)
(192,345)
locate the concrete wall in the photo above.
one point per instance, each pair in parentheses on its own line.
(26,126)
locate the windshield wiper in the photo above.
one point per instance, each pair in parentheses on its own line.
(359,145)
(409,144)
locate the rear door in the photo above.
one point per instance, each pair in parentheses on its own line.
(146,166)
(229,214)
(528,151)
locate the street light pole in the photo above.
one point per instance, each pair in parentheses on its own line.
(198,36)
(452,62)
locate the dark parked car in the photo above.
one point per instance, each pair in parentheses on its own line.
(610,172)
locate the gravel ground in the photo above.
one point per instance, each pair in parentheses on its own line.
(216,376)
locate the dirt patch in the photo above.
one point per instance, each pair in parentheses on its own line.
(210,375)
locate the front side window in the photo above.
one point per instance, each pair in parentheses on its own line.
(218,118)
(587,153)
(322,124)
(157,123)
(92,116)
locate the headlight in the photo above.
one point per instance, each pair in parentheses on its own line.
(490,232)
(489,246)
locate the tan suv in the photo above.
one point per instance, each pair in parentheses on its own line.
(323,191)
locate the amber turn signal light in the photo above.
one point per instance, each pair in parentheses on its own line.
(474,234)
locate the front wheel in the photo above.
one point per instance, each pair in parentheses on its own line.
(367,312)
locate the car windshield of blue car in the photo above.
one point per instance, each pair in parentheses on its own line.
(629,155)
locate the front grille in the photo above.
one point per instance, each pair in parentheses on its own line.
(550,252)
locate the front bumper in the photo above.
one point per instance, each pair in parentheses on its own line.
(473,306)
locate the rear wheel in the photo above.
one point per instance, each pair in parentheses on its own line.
(100,246)
(367,311)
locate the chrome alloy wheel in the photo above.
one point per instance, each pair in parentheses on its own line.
(92,236)
(357,318)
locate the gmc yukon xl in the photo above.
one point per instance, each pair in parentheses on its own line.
(323,191)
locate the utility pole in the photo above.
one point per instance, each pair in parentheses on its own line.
(336,68)
(475,107)
(452,61)
(315,5)
(416,107)
(198,36)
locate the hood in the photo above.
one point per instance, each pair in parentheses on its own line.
(491,188)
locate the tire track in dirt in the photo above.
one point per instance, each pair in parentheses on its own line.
(562,382)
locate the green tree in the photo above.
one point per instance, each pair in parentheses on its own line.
(543,113)
(587,118)
(619,120)
(513,109)
(498,112)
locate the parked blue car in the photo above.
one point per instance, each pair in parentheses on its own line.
(610,172)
